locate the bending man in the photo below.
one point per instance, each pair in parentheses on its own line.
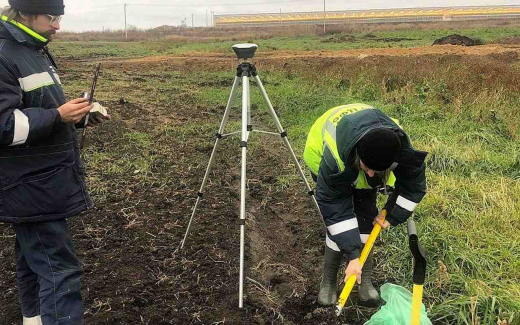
(353,152)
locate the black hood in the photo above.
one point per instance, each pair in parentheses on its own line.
(13,33)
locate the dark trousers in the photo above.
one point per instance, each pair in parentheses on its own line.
(48,273)
(365,208)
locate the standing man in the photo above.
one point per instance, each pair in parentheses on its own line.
(355,151)
(42,179)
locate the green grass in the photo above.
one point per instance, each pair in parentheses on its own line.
(468,222)
(340,41)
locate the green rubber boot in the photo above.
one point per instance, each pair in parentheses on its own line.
(329,287)
(368,295)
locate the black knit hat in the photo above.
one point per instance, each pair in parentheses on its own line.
(35,7)
(378,149)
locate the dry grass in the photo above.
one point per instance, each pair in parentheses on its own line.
(201,34)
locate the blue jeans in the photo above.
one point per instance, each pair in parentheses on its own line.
(48,273)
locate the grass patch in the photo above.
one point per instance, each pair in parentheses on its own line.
(462,110)
(342,40)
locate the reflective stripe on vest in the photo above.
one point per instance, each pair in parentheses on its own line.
(323,134)
(331,123)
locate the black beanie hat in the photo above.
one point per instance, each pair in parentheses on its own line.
(35,7)
(378,149)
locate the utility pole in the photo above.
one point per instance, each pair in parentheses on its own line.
(206,17)
(324,16)
(126,32)
(192,21)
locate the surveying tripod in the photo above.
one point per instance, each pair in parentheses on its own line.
(245,71)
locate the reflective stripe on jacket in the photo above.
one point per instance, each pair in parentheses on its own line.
(323,134)
(330,154)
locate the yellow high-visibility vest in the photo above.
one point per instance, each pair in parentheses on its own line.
(323,134)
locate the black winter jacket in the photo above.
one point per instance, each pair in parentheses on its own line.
(41,174)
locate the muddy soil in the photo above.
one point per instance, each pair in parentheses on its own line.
(509,41)
(135,272)
(226,61)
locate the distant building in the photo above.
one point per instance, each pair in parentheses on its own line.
(370,16)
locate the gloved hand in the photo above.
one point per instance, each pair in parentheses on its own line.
(98,114)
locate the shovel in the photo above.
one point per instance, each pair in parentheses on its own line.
(419,272)
(364,254)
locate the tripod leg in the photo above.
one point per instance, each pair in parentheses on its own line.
(243,144)
(212,158)
(286,141)
(249,119)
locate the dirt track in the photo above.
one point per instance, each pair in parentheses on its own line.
(135,272)
(356,53)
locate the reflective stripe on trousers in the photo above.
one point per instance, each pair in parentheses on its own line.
(365,209)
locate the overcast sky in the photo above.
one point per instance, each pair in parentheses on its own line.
(84,15)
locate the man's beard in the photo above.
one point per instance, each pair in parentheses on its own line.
(48,35)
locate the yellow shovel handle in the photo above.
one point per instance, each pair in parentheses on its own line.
(364,254)
(416,304)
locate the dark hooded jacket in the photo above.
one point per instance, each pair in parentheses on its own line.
(334,188)
(41,174)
